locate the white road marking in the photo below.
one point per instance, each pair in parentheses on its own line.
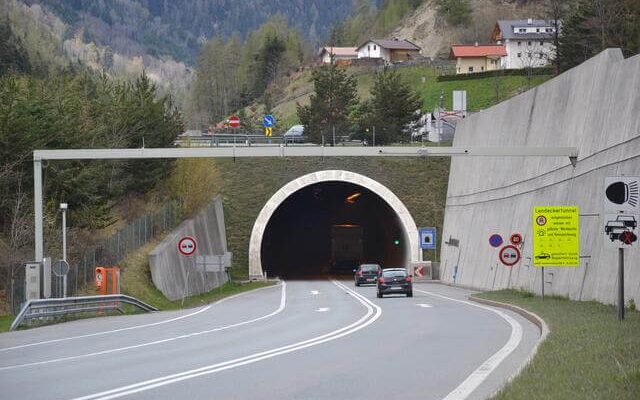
(373,313)
(315,292)
(283,300)
(323,309)
(135,326)
(423,305)
(482,372)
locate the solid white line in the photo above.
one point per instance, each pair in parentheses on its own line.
(323,309)
(135,326)
(370,317)
(424,305)
(283,300)
(482,372)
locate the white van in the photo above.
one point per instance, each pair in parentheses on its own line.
(294,134)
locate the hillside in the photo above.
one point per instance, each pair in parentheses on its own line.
(429,30)
(177,28)
(481,92)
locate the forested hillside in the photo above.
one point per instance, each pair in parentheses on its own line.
(177,28)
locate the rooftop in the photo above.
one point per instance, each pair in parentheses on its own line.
(477,50)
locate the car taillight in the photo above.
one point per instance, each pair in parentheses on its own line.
(381,280)
(408,279)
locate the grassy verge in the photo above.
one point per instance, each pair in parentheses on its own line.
(587,355)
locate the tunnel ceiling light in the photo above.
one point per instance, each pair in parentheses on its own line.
(352,198)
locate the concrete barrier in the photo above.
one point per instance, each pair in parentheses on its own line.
(175,275)
(595,107)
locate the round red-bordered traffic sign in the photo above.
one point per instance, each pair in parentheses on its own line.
(187,246)
(509,255)
(516,239)
(234,121)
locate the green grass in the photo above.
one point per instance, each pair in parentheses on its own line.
(5,322)
(589,354)
(481,93)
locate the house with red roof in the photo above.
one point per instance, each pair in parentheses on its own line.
(471,58)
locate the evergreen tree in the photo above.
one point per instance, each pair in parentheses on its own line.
(394,104)
(13,56)
(335,93)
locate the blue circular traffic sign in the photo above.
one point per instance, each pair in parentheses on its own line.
(268,121)
(495,240)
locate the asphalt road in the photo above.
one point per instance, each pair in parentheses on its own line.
(297,340)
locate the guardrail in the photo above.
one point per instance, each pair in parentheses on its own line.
(217,140)
(47,308)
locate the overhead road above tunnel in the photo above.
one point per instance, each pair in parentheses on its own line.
(276,151)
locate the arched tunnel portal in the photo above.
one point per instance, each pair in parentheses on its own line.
(326,223)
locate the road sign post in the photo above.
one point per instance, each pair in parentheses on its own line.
(622,202)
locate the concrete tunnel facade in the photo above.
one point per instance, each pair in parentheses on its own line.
(410,244)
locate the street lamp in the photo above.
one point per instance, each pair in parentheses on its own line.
(63,208)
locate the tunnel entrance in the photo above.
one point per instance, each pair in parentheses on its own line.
(296,225)
(329,228)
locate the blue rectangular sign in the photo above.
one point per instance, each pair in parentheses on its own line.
(427,238)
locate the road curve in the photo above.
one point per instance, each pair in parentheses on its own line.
(296,340)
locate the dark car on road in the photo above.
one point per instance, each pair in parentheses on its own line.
(394,281)
(366,273)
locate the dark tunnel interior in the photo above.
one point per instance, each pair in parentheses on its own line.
(327,229)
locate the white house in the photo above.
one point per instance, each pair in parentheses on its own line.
(529,42)
(337,54)
(389,50)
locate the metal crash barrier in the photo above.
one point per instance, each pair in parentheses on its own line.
(48,308)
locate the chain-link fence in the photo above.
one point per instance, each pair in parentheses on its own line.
(135,235)
(108,252)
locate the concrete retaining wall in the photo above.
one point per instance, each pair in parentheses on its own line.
(174,274)
(595,107)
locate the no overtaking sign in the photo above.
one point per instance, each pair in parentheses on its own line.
(187,246)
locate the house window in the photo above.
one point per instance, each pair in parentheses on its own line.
(368,47)
(541,43)
(519,55)
(481,69)
(470,69)
(537,29)
(519,43)
(548,30)
(528,43)
(375,47)
(522,30)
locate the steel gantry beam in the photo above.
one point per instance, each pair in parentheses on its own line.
(275,151)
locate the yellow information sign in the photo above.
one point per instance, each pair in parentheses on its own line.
(556,236)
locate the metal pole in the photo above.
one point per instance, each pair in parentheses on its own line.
(334,136)
(64,234)
(542,283)
(620,284)
(37,206)
(64,247)
(374,135)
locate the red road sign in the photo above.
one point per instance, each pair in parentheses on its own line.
(234,121)
(516,239)
(419,271)
(187,246)
(509,255)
